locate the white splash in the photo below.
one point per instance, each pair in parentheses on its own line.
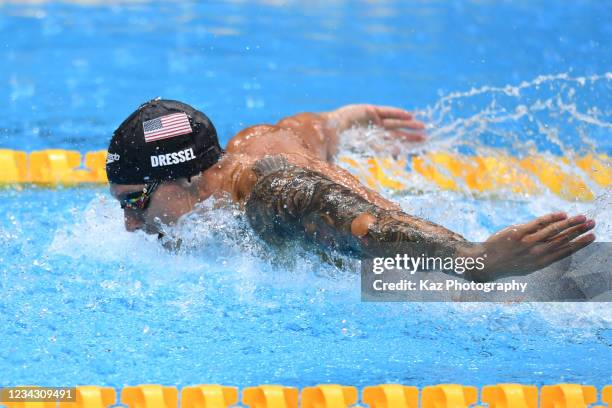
(219,241)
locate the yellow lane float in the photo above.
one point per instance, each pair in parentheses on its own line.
(329,396)
(91,397)
(572,178)
(568,396)
(52,167)
(150,395)
(272,396)
(575,179)
(510,395)
(208,396)
(448,395)
(391,395)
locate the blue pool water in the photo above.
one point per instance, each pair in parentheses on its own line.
(84,302)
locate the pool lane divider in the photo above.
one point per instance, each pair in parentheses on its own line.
(52,167)
(335,396)
(571,178)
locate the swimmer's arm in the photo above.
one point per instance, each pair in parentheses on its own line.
(389,117)
(514,251)
(320,131)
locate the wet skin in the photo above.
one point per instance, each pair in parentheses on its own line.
(309,141)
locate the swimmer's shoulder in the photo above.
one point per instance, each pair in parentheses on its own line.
(243,139)
(239,178)
(262,140)
(246,170)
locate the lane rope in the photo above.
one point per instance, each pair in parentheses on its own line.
(574,178)
(319,396)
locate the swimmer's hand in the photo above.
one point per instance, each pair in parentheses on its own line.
(524,248)
(398,122)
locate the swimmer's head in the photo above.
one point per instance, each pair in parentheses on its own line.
(154,161)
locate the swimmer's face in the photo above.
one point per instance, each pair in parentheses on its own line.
(169,201)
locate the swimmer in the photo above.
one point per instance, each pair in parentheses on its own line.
(165,158)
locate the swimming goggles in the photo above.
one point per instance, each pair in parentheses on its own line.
(137,200)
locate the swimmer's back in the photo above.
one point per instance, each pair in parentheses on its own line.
(304,133)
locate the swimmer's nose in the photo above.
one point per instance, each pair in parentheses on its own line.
(132,221)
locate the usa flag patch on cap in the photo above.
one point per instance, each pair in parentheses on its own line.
(165,127)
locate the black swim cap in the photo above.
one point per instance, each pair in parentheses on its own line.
(162,140)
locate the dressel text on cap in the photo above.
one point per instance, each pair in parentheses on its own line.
(169,159)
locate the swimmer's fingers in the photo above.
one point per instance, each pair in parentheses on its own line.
(390,112)
(404,129)
(567,237)
(402,124)
(565,250)
(539,223)
(574,232)
(553,229)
